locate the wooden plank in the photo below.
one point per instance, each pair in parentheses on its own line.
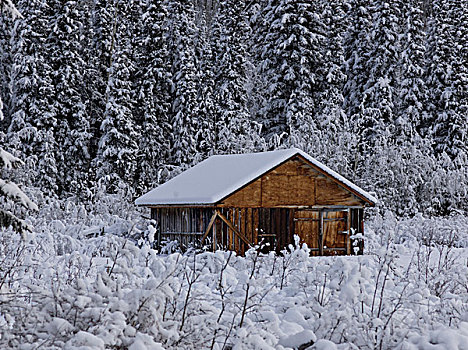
(224,232)
(277,230)
(348,229)
(212,220)
(284,228)
(363,200)
(183,233)
(330,193)
(292,183)
(233,221)
(288,168)
(243,227)
(335,224)
(248,196)
(248,224)
(214,237)
(291,226)
(276,190)
(230,238)
(307,227)
(321,233)
(267,220)
(283,190)
(233,228)
(255,224)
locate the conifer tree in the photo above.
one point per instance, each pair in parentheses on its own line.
(371,92)
(117,155)
(34,116)
(411,107)
(9,191)
(357,54)
(5,68)
(152,93)
(335,142)
(235,132)
(289,52)
(69,44)
(447,76)
(184,110)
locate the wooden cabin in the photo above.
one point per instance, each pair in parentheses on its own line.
(237,201)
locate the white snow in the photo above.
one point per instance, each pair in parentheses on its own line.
(10,189)
(106,292)
(218,176)
(323,344)
(86,340)
(298,339)
(8,159)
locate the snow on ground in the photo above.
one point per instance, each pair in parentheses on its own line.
(84,286)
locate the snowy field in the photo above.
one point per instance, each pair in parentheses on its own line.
(84,286)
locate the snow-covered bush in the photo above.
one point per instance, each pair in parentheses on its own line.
(80,283)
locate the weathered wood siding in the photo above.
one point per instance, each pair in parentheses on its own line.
(186,225)
(335,233)
(272,228)
(326,231)
(307,227)
(292,184)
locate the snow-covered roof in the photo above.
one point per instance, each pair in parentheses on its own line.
(215,178)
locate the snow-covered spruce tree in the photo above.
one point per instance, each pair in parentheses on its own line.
(104,25)
(357,52)
(411,104)
(152,93)
(335,142)
(406,158)
(68,47)
(34,117)
(446,187)
(9,191)
(374,110)
(6,25)
(184,110)
(289,54)
(447,75)
(234,132)
(358,48)
(117,156)
(205,78)
(379,89)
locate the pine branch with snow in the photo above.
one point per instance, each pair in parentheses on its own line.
(10,191)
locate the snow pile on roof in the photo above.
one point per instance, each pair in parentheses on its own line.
(218,176)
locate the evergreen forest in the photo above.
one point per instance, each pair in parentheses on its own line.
(119,96)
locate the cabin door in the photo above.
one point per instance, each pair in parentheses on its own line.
(324,232)
(307,227)
(335,232)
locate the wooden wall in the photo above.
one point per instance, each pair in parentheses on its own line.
(294,183)
(186,225)
(272,228)
(325,231)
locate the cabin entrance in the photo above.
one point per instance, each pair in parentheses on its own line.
(324,231)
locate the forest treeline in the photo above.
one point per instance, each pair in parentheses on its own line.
(109,95)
